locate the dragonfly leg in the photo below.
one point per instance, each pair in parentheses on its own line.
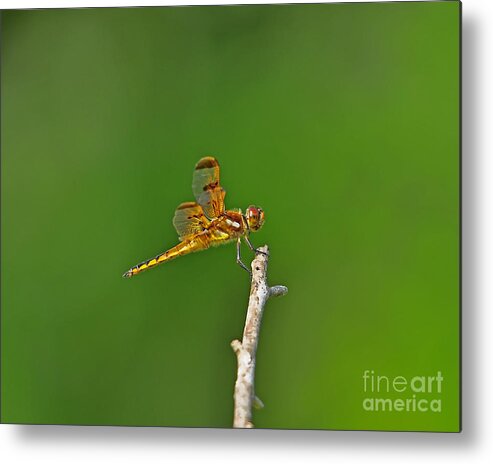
(256,250)
(238,257)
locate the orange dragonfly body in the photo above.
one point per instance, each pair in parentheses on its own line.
(205,222)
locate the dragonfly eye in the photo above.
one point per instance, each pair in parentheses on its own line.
(255,217)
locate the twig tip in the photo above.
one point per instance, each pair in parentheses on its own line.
(236,345)
(278,290)
(258,403)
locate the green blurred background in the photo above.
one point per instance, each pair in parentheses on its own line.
(341,121)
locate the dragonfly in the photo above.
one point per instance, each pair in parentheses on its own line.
(205,222)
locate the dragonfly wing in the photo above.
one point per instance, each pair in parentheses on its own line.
(189,219)
(206,188)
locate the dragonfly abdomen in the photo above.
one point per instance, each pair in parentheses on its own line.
(196,243)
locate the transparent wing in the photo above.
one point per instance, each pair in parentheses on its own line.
(189,219)
(206,189)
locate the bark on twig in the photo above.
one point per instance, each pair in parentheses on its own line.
(260,292)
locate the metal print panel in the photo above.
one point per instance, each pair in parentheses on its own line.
(320,144)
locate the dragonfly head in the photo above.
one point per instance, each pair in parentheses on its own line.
(255,217)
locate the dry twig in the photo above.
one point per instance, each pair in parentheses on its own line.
(260,292)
